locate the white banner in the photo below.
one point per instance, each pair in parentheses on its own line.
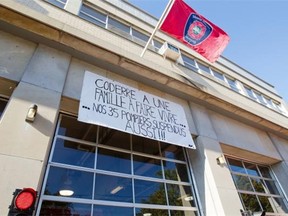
(115,105)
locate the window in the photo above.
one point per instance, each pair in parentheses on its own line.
(139,35)
(189,63)
(204,68)
(218,75)
(3,104)
(232,83)
(58,3)
(266,101)
(118,26)
(257,188)
(269,102)
(278,107)
(112,173)
(93,16)
(250,93)
(102,20)
(260,98)
(157,44)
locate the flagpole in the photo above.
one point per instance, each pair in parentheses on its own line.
(167,9)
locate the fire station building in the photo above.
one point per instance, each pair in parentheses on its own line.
(96,129)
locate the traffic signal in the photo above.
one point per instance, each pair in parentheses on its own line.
(23,202)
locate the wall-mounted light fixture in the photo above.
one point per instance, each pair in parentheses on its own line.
(31,114)
(221,160)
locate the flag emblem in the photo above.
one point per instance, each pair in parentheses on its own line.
(196,30)
(189,27)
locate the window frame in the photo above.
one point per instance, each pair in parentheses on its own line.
(190,63)
(85,9)
(256,175)
(250,93)
(120,27)
(95,171)
(232,83)
(58,3)
(219,75)
(204,68)
(115,28)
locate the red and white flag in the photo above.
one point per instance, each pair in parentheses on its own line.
(194,30)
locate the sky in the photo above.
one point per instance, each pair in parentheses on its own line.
(258,31)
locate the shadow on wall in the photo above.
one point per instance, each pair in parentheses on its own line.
(43,125)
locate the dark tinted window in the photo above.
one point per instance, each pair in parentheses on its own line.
(3,104)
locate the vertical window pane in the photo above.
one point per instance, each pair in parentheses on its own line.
(111,137)
(79,130)
(148,192)
(66,179)
(251,169)
(271,187)
(279,107)
(204,68)
(147,166)
(232,84)
(250,93)
(269,102)
(93,16)
(258,185)
(242,182)
(113,161)
(113,188)
(172,151)
(265,203)
(73,153)
(260,98)
(175,171)
(218,75)
(250,202)
(264,171)
(189,63)
(140,35)
(144,145)
(118,25)
(189,60)
(180,195)
(64,208)
(157,44)
(236,166)
(58,3)
(101,210)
